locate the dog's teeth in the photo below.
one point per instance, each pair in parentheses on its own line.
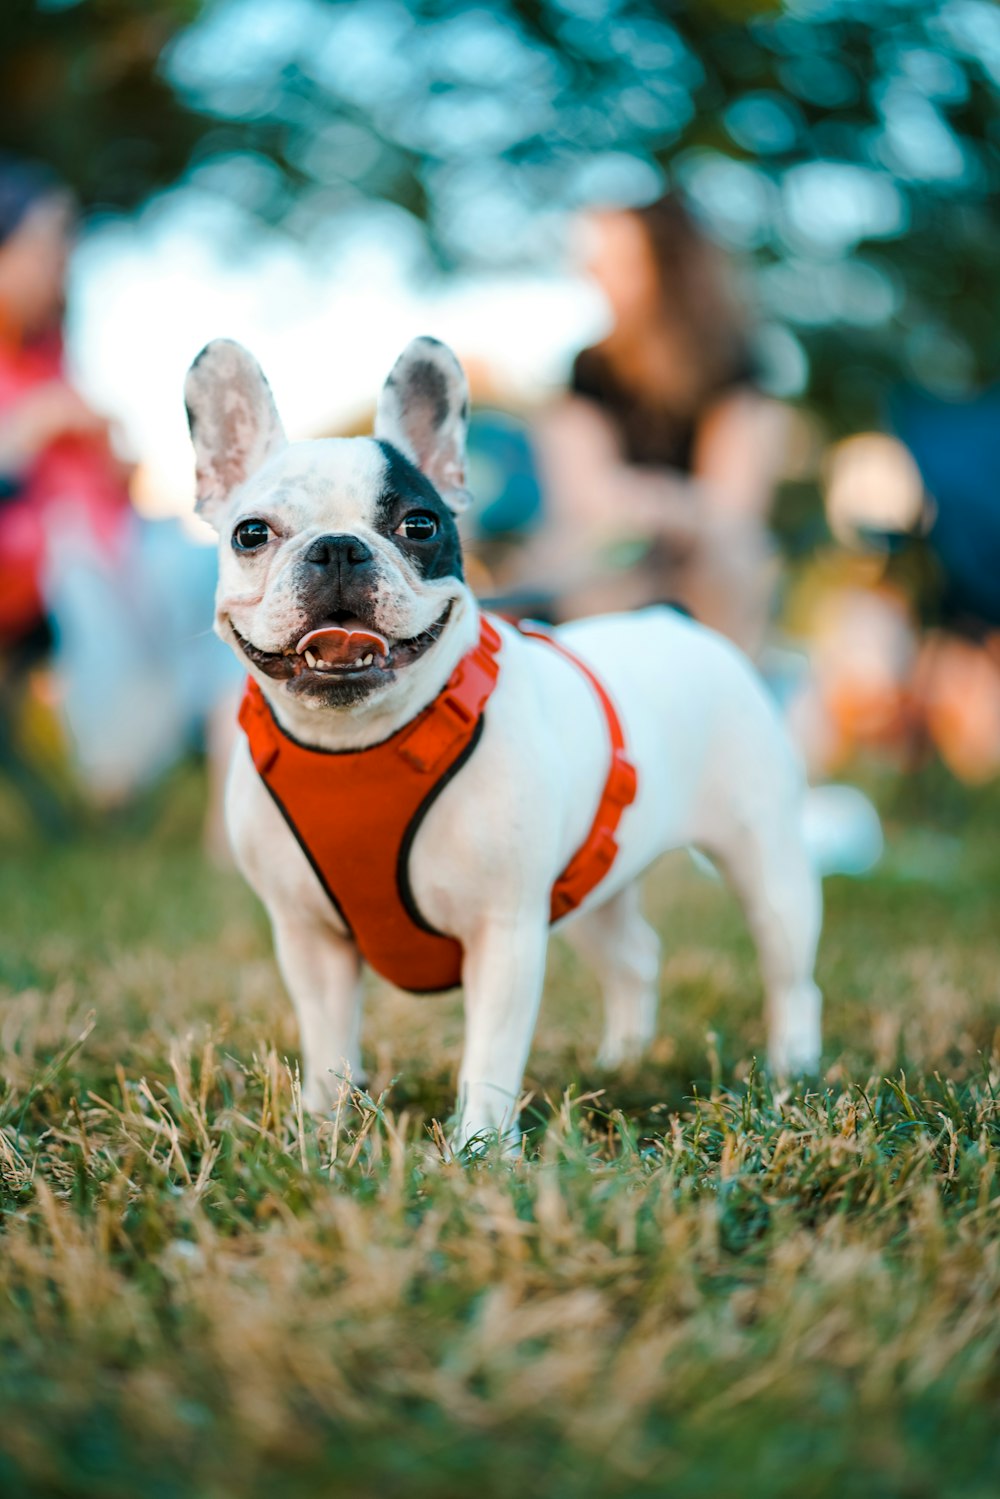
(369,659)
(310,660)
(359,662)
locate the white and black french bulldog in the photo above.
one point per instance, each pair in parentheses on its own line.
(341,588)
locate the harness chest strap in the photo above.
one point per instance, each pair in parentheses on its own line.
(356,814)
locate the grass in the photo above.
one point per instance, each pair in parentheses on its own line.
(691,1286)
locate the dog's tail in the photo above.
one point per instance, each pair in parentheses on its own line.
(841,831)
(843,834)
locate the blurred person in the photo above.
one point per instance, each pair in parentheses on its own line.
(124,606)
(53,447)
(904,615)
(659,465)
(955,445)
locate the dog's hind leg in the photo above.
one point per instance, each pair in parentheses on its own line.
(623,950)
(762,851)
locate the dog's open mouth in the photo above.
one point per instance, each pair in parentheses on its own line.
(344,649)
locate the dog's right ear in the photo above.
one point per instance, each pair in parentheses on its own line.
(233,420)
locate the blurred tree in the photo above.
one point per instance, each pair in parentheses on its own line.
(849,148)
(80,88)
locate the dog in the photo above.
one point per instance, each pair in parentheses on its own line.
(341,590)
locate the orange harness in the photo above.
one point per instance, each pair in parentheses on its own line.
(356,813)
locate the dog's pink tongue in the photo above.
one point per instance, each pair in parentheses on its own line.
(339,647)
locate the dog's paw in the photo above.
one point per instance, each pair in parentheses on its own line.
(795,1041)
(475,1142)
(321,1095)
(621,1051)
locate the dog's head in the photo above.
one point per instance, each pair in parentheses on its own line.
(340,571)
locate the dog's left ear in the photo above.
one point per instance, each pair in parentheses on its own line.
(234,423)
(424,411)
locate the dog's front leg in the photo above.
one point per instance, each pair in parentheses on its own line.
(502,974)
(321,970)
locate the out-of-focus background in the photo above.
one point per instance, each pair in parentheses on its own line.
(724,277)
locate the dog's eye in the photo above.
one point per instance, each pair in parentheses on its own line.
(250,535)
(419,525)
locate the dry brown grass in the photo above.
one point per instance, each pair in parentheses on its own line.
(674,1292)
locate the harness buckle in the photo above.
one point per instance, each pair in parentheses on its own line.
(456,711)
(583,873)
(622,783)
(434,736)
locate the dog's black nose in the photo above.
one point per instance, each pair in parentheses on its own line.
(340,551)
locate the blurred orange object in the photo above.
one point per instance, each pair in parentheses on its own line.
(863,650)
(879,683)
(959,687)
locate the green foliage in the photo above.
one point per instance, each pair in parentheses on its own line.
(689,1283)
(848,147)
(81,89)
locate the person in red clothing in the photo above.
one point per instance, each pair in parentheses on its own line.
(55,452)
(121,606)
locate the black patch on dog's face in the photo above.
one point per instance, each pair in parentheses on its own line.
(404,489)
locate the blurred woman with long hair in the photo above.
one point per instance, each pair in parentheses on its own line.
(660,464)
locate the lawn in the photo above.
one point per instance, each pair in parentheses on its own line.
(689,1286)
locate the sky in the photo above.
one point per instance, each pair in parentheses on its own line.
(147,292)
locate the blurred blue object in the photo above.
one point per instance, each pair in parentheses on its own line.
(139,667)
(502,476)
(956,445)
(843,832)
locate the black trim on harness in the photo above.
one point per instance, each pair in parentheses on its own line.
(403,861)
(306,850)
